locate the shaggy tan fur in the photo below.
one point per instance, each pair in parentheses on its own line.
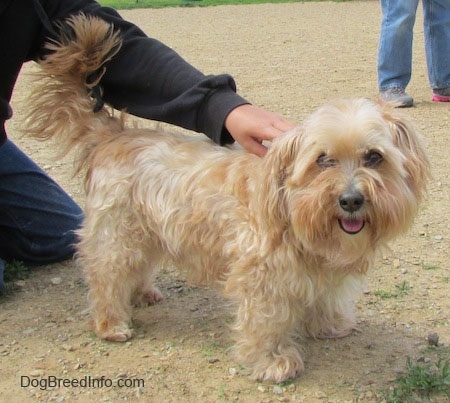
(290,236)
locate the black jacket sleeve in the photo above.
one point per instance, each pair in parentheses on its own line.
(150,80)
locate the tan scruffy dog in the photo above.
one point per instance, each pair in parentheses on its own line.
(291,235)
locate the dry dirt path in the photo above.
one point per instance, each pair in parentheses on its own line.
(289,58)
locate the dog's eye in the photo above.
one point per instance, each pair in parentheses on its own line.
(372,159)
(324,161)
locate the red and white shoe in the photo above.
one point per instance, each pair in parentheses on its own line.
(441,95)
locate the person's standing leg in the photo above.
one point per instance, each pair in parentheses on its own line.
(437,47)
(37,218)
(395,48)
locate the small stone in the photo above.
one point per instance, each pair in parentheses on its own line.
(262,389)
(37,373)
(396,263)
(213,360)
(56,280)
(321,395)
(433,339)
(232,371)
(277,390)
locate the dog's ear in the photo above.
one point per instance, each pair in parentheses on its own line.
(410,142)
(277,166)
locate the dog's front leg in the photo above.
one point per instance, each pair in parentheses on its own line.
(331,316)
(265,325)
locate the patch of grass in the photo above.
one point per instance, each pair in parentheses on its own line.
(383,294)
(221,392)
(426,266)
(210,350)
(15,270)
(128,4)
(420,382)
(286,383)
(400,290)
(403,288)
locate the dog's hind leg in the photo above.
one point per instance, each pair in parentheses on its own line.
(146,293)
(116,265)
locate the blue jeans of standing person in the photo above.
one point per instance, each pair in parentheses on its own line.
(37,218)
(395,47)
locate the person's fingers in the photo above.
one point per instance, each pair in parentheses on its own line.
(284,125)
(277,129)
(254,146)
(250,126)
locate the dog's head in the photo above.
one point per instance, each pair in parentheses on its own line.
(350,177)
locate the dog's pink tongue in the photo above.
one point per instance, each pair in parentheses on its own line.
(352,226)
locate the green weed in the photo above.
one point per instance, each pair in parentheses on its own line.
(426,266)
(420,382)
(400,290)
(15,270)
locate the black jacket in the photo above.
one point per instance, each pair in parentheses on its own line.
(146,78)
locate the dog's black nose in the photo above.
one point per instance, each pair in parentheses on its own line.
(351,201)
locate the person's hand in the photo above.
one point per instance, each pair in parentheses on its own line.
(250,125)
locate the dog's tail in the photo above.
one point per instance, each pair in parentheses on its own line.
(66,103)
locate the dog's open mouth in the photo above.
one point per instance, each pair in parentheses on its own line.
(351,225)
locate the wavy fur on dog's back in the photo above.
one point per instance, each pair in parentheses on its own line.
(67,90)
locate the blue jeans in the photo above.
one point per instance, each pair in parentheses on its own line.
(396,38)
(37,218)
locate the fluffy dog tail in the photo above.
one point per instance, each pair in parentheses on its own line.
(66,103)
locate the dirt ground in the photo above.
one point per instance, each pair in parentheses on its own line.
(289,58)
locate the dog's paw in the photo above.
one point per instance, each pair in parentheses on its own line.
(119,333)
(280,369)
(152,296)
(148,297)
(337,334)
